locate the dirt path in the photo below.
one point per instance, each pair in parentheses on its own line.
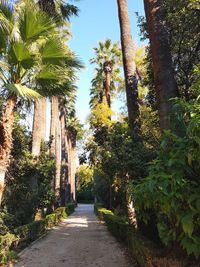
(79,241)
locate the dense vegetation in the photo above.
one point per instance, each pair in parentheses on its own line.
(141,163)
(146,165)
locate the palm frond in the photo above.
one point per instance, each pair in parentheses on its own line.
(68,10)
(34,23)
(22,91)
(19,53)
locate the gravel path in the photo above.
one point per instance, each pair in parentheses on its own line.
(79,241)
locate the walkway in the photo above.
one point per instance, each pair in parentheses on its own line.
(79,241)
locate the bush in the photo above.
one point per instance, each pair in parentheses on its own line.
(7,242)
(25,234)
(171,192)
(116,224)
(70,207)
(30,232)
(96,207)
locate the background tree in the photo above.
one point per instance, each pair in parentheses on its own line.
(165,84)
(107,58)
(129,66)
(20,67)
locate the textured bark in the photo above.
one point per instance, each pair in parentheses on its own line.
(54,121)
(39,125)
(58,161)
(53,131)
(107,83)
(6,127)
(165,84)
(131,82)
(129,66)
(64,156)
(72,163)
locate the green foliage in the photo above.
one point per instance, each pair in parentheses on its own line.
(101,114)
(85,184)
(25,234)
(28,186)
(7,242)
(172,189)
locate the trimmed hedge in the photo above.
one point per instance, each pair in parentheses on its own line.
(26,234)
(144,251)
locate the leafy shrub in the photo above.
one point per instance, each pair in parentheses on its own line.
(25,234)
(172,189)
(96,207)
(70,207)
(6,243)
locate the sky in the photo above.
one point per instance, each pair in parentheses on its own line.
(98,20)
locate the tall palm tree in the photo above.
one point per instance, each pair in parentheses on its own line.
(59,11)
(130,71)
(129,65)
(39,125)
(108,59)
(24,67)
(165,83)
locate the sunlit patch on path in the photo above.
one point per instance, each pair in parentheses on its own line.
(79,241)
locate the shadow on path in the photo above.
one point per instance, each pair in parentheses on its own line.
(78,241)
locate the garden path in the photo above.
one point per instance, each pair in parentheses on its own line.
(78,241)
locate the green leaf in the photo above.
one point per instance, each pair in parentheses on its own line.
(19,53)
(53,51)
(33,23)
(187,224)
(23,91)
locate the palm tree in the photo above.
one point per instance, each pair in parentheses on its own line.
(128,52)
(58,10)
(165,83)
(130,71)
(108,59)
(39,125)
(25,67)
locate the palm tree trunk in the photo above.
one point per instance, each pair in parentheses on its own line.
(165,84)
(58,162)
(131,86)
(53,127)
(64,155)
(72,164)
(6,127)
(107,88)
(39,125)
(54,121)
(129,66)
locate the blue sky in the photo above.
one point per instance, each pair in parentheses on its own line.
(98,20)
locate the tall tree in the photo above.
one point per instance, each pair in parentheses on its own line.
(39,125)
(129,65)
(59,11)
(22,62)
(108,59)
(130,71)
(165,83)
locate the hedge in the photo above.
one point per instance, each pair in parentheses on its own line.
(143,250)
(26,234)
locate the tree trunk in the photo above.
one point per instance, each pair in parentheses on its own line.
(72,163)
(54,121)
(64,156)
(107,71)
(39,125)
(165,84)
(129,67)
(58,162)
(6,127)
(53,127)
(131,82)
